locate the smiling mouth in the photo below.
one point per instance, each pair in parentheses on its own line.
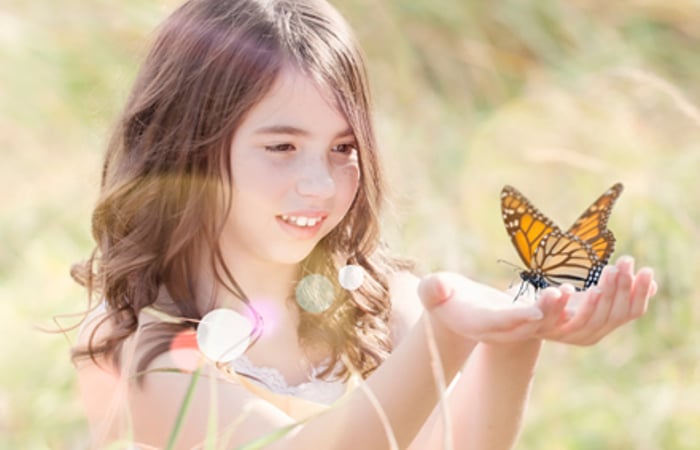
(301,221)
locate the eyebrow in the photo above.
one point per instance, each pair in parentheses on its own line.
(295,131)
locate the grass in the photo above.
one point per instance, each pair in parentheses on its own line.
(558,98)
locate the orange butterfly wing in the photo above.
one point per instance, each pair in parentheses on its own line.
(525,224)
(553,257)
(591,226)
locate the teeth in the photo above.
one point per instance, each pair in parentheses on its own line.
(301,221)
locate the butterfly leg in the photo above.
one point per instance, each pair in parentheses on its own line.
(523,288)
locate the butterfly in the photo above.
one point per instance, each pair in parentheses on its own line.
(552,256)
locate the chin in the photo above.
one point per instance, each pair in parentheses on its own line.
(293,256)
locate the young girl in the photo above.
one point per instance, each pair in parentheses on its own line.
(244,165)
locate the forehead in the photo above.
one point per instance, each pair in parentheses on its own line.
(296,99)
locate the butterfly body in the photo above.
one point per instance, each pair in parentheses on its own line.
(552,256)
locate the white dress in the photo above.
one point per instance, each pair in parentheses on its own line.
(316,389)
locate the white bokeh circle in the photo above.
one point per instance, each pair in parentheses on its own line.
(223,334)
(351,276)
(315,293)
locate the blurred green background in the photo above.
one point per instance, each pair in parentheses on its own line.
(559,98)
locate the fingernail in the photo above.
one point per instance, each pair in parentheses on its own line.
(625,259)
(611,272)
(535,314)
(567,289)
(554,292)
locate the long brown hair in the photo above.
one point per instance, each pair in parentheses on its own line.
(163,198)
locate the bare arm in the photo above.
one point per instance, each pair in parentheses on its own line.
(487,400)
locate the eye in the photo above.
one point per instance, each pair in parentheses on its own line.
(280,148)
(349,148)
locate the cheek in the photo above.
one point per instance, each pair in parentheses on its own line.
(255,180)
(347,181)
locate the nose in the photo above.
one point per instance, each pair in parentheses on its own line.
(316,180)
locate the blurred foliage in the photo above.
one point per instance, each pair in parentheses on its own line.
(559,98)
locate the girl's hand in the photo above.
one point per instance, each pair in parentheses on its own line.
(481,313)
(620,297)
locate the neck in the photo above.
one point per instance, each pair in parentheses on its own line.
(257,280)
(267,286)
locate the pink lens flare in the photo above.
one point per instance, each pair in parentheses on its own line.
(185,352)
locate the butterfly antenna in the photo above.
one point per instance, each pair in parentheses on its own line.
(508,263)
(513,266)
(523,285)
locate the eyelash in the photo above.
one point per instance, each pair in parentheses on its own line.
(281,148)
(278,148)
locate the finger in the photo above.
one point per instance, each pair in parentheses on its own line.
(576,326)
(553,302)
(625,262)
(608,288)
(621,306)
(634,302)
(613,307)
(555,315)
(434,290)
(644,287)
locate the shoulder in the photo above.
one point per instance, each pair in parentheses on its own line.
(94,323)
(97,378)
(406,307)
(117,405)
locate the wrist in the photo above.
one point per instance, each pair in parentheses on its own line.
(513,353)
(451,344)
(525,345)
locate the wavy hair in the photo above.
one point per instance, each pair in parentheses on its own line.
(164,197)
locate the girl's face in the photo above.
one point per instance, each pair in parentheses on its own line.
(295,173)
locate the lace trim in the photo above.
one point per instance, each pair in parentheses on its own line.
(316,389)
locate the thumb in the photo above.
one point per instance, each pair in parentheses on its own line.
(434,290)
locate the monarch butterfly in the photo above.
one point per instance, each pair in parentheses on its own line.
(551,256)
